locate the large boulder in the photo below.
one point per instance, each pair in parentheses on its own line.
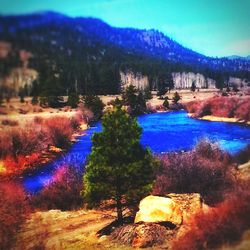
(175,208)
(159,209)
(189,204)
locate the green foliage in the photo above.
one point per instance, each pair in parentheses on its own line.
(73,100)
(118,168)
(135,100)
(34,100)
(21,94)
(117,102)
(147,94)
(193,87)
(55,101)
(176,97)
(1,99)
(95,104)
(166,103)
(43,102)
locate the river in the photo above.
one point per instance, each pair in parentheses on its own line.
(162,132)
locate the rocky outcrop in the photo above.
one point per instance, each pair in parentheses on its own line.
(184,80)
(159,209)
(138,80)
(175,208)
(143,235)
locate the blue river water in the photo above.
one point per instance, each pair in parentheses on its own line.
(162,132)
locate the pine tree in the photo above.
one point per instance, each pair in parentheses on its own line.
(193,87)
(21,94)
(135,100)
(166,103)
(95,104)
(34,100)
(73,100)
(118,168)
(176,98)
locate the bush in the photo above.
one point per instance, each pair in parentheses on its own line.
(63,192)
(166,103)
(60,131)
(243,156)
(223,224)
(176,98)
(14,209)
(7,122)
(95,104)
(34,100)
(194,172)
(73,100)
(222,107)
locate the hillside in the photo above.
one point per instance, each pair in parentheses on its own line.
(88,54)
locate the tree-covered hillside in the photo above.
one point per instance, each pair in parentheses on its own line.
(86,54)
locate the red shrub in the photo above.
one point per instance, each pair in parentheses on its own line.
(60,131)
(243,110)
(38,120)
(8,122)
(63,192)
(222,107)
(192,106)
(194,171)
(13,211)
(221,225)
(20,163)
(5,144)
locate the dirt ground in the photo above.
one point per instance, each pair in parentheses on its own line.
(66,230)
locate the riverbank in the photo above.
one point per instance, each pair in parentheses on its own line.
(212,118)
(235,109)
(223,119)
(28,141)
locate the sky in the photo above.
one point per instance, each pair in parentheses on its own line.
(211,27)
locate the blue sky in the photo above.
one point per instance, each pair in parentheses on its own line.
(211,27)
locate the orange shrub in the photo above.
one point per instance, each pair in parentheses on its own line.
(223,224)
(14,209)
(221,106)
(21,162)
(59,130)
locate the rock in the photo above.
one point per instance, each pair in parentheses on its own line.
(189,204)
(143,234)
(159,209)
(103,238)
(147,235)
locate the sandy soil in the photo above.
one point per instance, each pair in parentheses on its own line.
(222,119)
(55,229)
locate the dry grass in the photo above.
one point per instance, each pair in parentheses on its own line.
(230,107)
(14,209)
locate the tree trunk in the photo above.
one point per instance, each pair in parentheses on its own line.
(119,211)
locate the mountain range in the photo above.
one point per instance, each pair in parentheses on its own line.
(91,52)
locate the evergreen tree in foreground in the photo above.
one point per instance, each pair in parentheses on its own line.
(118,168)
